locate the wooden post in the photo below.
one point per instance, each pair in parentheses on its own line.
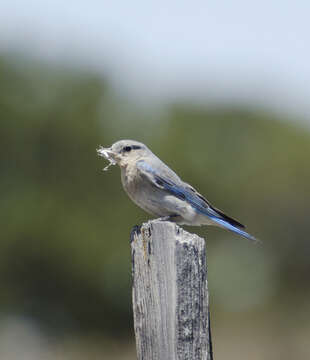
(170,293)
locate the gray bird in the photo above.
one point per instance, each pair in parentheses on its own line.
(158,190)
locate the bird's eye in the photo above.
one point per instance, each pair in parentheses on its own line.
(127,148)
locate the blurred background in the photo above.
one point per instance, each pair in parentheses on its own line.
(220,92)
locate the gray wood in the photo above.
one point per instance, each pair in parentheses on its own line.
(170,293)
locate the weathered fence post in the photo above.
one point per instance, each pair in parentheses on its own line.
(170,293)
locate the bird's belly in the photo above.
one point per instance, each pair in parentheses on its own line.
(152,202)
(145,196)
(158,202)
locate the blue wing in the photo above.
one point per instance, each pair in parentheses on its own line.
(189,194)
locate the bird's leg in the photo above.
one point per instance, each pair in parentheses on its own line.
(167,218)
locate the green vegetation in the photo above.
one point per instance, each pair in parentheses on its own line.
(64,248)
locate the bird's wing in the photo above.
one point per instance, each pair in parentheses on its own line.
(187,193)
(183,191)
(176,187)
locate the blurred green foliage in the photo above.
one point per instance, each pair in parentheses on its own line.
(64,247)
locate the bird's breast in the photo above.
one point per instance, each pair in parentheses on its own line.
(131,180)
(139,190)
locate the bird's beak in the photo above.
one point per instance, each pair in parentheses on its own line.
(108,154)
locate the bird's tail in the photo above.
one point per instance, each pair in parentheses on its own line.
(225,224)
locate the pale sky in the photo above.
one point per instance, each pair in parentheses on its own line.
(230,51)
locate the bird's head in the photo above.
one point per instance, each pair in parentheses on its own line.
(123,152)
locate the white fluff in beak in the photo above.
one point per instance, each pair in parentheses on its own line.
(106,153)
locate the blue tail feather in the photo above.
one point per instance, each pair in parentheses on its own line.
(234,229)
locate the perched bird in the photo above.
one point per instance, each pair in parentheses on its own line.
(158,190)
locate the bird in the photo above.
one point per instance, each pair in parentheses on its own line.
(158,190)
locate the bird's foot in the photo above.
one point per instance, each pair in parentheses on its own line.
(168,218)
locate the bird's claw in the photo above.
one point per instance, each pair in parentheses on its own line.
(167,218)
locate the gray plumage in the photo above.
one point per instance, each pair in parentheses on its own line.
(158,190)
